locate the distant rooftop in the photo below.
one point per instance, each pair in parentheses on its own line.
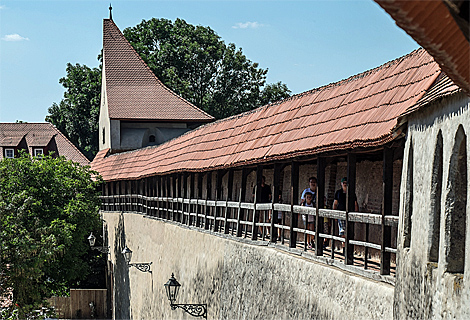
(38,135)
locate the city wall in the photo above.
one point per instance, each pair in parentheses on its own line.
(236,278)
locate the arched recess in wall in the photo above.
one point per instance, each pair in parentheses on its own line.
(436,196)
(408,199)
(456,204)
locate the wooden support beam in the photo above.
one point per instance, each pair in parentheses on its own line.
(276,193)
(243,216)
(320,194)
(184,195)
(208,196)
(294,219)
(386,210)
(350,207)
(230,185)
(254,232)
(239,214)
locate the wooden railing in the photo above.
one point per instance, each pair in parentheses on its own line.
(251,220)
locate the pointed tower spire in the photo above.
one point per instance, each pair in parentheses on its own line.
(110,12)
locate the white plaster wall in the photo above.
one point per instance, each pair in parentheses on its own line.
(237,280)
(104,122)
(423,289)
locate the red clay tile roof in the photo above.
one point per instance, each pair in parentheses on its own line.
(39,135)
(360,111)
(431,24)
(133,91)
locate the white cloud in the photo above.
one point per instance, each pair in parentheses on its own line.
(246,25)
(2,7)
(14,37)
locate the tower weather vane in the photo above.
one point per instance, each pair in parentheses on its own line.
(110,12)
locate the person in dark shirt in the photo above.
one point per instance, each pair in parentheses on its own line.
(263,195)
(340,203)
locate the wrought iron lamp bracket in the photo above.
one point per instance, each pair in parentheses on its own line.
(196,310)
(144,267)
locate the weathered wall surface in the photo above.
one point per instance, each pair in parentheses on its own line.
(425,288)
(237,280)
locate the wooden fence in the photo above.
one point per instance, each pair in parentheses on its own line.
(82,304)
(252,220)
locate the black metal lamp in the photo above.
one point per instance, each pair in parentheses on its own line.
(172,288)
(144,267)
(92,240)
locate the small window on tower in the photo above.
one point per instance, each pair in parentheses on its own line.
(152,138)
(103,136)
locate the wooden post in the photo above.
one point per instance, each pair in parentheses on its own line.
(159,194)
(239,213)
(230,185)
(184,195)
(350,195)
(275,199)
(320,194)
(245,173)
(199,197)
(208,196)
(254,233)
(294,196)
(256,213)
(386,210)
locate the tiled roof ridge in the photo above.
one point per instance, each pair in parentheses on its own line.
(354,77)
(319,149)
(153,74)
(167,143)
(68,141)
(287,141)
(298,117)
(330,85)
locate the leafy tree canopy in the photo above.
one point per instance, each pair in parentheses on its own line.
(48,206)
(195,63)
(77,115)
(191,60)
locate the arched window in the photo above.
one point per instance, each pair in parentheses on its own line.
(436,195)
(152,138)
(408,199)
(103,135)
(456,204)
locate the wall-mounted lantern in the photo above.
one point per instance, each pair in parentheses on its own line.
(196,310)
(144,267)
(92,240)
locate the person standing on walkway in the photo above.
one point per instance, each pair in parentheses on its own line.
(340,204)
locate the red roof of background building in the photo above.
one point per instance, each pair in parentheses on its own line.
(133,91)
(39,135)
(360,111)
(432,25)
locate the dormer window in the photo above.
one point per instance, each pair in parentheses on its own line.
(38,152)
(9,153)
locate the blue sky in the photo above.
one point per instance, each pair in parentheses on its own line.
(305,44)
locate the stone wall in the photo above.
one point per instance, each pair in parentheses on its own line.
(426,286)
(238,279)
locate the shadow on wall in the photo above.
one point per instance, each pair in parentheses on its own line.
(122,303)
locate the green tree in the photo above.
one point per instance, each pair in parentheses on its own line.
(77,114)
(48,206)
(194,62)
